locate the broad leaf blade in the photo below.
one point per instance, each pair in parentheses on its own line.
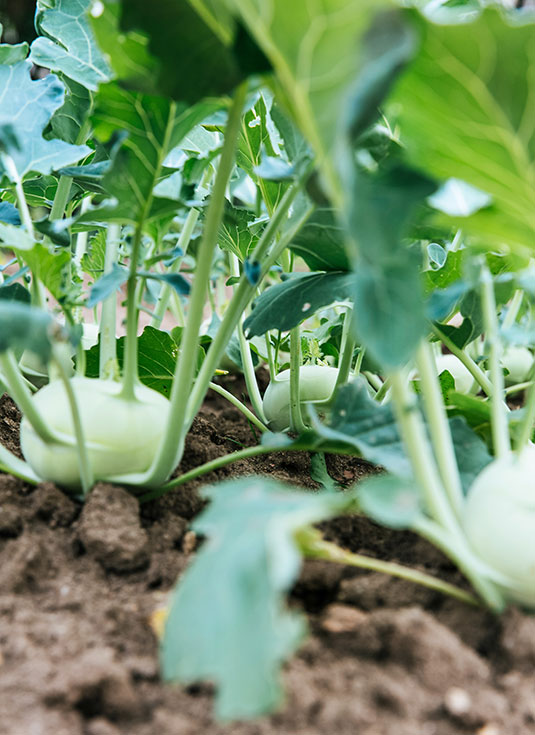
(66,43)
(227,622)
(321,242)
(286,304)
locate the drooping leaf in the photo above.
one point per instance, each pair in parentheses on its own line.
(286,304)
(107,285)
(9,214)
(67,123)
(465,110)
(57,230)
(26,106)
(24,327)
(389,304)
(14,292)
(202,51)
(66,43)
(321,242)
(176,280)
(227,621)
(392,501)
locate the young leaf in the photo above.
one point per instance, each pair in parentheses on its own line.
(287,304)
(465,110)
(321,242)
(27,106)
(235,234)
(227,621)
(66,42)
(49,268)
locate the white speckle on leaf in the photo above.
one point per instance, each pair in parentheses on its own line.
(306,306)
(97,9)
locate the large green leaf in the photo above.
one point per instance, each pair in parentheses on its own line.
(227,621)
(66,43)
(202,52)
(389,306)
(26,107)
(314,49)
(321,242)
(465,110)
(155,125)
(286,304)
(50,268)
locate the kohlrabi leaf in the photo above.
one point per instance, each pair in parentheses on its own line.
(15,292)
(12,53)
(107,285)
(155,126)
(471,451)
(15,237)
(202,51)
(286,304)
(157,355)
(459,199)
(24,327)
(236,233)
(314,50)
(26,107)
(228,622)
(9,214)
(67,123)
(389,304)
(66,43)
(392,501)
(321,242)
(50,268)
(465,110)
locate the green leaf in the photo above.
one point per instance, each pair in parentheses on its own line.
(27,107)
(471,452)
(66,43)
(227,621)
(465,110)
(9,214)
(235,232)
(157,355)
(389,304)
(286,304)
(15,292)
(202,53)
(391,501)
(67,122)
(12,53)
(155,126)
(15,237)
(321,242)
(459,199)
(24,327)
(49,268)
(107,285)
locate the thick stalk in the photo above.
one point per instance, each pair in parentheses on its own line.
(296,417)
(183,243)
(246,357)
(528,420)
(61,198)
(439,428)
(249,415)
(421,457)
(514,308)
(500,429)
(130,374)
(314,546)
(474,369)
(172,445)
(86,472)
(244,293)
(347,349)
(108,342)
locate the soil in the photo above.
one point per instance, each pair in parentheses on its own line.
(78,587)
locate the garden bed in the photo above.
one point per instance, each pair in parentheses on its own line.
(78,589)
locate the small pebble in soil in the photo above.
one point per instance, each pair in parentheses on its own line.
(10,521)
(457,702)
(110,530)
(189,542)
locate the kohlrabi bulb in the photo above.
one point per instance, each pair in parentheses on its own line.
(518,361)
(316,383)
(123,436)
(463,378)
(499,521)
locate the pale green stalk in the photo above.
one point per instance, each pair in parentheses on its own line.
(245,351)
(514,308)
(528,420)
(80,245)
(12,465)
(249,415)
(296,417)
(499,425)
(107,327)
(439,428)
(347,348)
(183,243)
(474,369)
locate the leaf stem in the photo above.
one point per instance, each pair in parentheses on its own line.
(439,428)
(239,405)
(12,465)
(346,350)
(313,545)
(108,350)
(528,420)
(500,429)
(474,369)
(296,418)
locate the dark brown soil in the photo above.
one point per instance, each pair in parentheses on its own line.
(385,657)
